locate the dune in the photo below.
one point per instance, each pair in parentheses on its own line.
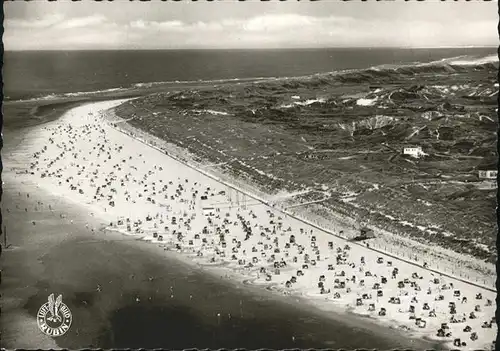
(130,182)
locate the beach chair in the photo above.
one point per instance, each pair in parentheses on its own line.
(359,302)
(486,325)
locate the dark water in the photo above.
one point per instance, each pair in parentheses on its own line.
(38,74)
(245,321)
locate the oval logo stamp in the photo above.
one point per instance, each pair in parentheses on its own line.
(54,317)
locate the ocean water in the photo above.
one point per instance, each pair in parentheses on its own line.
(39,74)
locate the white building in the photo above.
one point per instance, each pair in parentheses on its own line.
(413,151)
(488,174)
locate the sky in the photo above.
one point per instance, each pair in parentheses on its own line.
(125,24)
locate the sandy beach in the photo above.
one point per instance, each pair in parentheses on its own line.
(144,194)
(124,292)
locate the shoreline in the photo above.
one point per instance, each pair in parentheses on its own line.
(81,317)
(202,172)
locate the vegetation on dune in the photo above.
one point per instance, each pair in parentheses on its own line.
(346,132)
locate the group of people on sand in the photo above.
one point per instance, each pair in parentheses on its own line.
(194,217)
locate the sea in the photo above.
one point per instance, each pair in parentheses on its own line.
(52,74)
(256,321)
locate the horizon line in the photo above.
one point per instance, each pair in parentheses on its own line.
(276,48)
